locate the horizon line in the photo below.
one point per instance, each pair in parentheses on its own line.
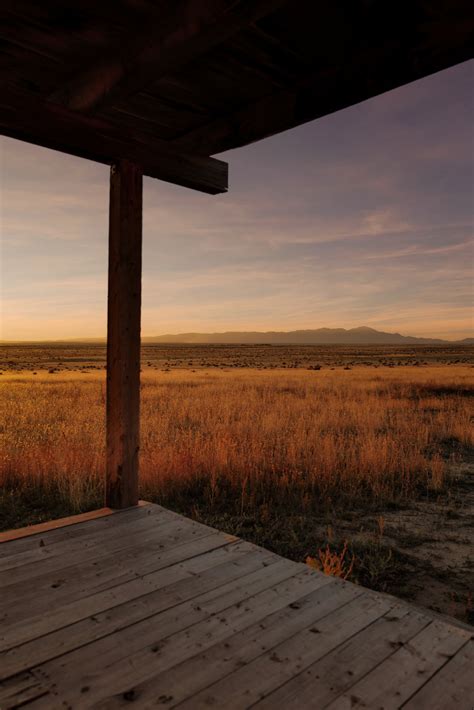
(91,339)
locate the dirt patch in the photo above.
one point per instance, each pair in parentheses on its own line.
(437,537)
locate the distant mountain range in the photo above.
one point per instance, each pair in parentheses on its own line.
(320,336)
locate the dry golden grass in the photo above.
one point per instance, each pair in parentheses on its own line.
(244,439)
(333,563)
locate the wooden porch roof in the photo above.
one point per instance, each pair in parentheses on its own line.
(167,84)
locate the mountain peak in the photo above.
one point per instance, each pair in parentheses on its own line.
(362,329)
(362,335)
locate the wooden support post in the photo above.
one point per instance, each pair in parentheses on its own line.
(123,334)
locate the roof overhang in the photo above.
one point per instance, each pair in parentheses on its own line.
(167,85)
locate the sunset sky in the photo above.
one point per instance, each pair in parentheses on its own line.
(363,217)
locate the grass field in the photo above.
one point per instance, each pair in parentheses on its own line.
(294,459)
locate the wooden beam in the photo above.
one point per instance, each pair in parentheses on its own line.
(167,42)
(123,334)
(53,126)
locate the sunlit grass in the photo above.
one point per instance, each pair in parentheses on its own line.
(243,441)
(333,563)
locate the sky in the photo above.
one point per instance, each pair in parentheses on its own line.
(363,217)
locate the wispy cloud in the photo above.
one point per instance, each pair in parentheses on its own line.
(420,250)
(362,217)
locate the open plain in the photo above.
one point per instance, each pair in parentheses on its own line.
(298,449)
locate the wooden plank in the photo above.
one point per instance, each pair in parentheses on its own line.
(71,555)
(396,679)
(93,599)
(42,548)
(120,535)
(53,126)
(324,680)
(134,602)
(23,601)
(151,533)
(20,600)
(104,666)
(16,534)
(193,674)
(269,671)
(208,620)
(123,334)
(115,647)
(194,560)
(22,690)
(165,43)
(451,687)
(78,529)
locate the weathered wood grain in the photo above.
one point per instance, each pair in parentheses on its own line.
(334,674)
(142,538)
(451,687)
(123,334)
(18,533)
(191,675)
(133,603)
(61,590)
(187,616)
(269,671)
(21,602)
(21,690)
(72,529)
(166,638)
(39,559)
(208,553)
(403,673)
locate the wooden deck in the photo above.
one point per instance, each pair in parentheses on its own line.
(144,607)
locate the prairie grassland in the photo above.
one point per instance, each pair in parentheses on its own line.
(246,450)
(246,439)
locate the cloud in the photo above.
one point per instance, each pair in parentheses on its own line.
(362,217)
(420,250)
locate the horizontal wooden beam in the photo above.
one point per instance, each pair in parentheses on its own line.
(321,91)
(53,126)
(168,41)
